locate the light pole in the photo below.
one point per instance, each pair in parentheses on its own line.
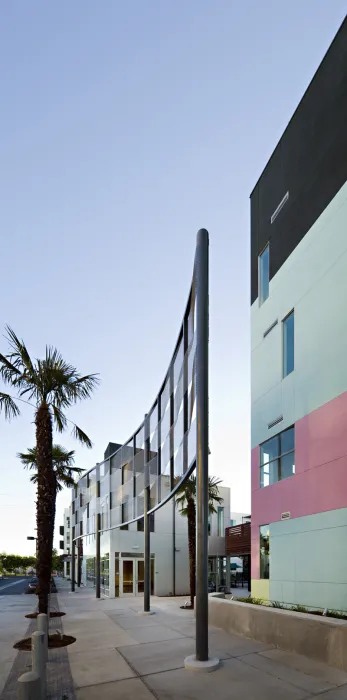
(33,538)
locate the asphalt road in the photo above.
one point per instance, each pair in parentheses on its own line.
(14,585)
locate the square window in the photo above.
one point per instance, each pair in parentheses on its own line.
(277,458)
(288,344)
(264,274)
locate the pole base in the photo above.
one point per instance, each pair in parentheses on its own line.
(146,612)
(191,664)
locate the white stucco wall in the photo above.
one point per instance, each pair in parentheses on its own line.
(307,564)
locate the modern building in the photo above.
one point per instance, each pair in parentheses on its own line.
(238,518)
(65,543)
(299,350)
(122,548)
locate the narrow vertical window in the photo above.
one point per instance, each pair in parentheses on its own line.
(220,526)
(264,274)
(288,344)
(264,551)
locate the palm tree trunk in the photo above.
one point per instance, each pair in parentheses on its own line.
(191,515)
(46,490)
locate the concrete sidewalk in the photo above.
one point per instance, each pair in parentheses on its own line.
(13,626)
(120,654)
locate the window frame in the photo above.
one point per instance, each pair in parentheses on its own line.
(277,459)
(260,297)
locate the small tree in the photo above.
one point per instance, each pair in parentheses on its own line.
(51,386)
(186,502)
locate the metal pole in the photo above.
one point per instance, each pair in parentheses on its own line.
(147,544)
(202,447)
(72,566)
(174,546)
(97,555)
(147,586)
(79,563)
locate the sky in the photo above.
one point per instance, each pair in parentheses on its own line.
(124,128)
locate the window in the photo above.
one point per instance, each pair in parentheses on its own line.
(277,458)
(288,344)
(141,524)
(264,533)
(210,523)
(264,274)
(68,523)
(232,523)
(220,523)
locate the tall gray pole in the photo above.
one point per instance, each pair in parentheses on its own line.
(78,563)
(202,296)
(97,556)
(147,547)
(72,566)
(147,590)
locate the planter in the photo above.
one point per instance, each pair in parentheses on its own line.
(320,638)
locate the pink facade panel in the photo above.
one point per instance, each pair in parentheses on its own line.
(320,480)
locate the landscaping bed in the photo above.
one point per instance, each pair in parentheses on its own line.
(335,614)
(33,616)
(55,641)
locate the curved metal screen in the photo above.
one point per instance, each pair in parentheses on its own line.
(161,453)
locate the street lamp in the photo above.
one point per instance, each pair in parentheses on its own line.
(29,537)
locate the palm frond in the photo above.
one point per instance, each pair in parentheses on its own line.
(19,351)
(64,478)
(60,420)
(63,457)
(81,436)
(28,459)
(8,406)
(8,371)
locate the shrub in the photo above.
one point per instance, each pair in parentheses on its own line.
(299,608)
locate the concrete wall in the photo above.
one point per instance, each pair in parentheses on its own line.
(307,561)
(319,638)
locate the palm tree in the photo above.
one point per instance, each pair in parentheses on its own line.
(51,386)
(186,502)
(62,460)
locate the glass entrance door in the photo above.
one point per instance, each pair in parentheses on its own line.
(132,577)
(127,577)
(140,579)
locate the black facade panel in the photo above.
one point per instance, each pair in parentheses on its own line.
(309,162)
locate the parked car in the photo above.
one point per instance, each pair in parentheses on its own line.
(33,585)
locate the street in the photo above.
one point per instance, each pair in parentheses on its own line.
(14,585)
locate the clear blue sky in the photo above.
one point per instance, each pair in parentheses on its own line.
(125,127)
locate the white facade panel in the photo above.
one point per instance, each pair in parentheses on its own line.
(313,282)
(306,565)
